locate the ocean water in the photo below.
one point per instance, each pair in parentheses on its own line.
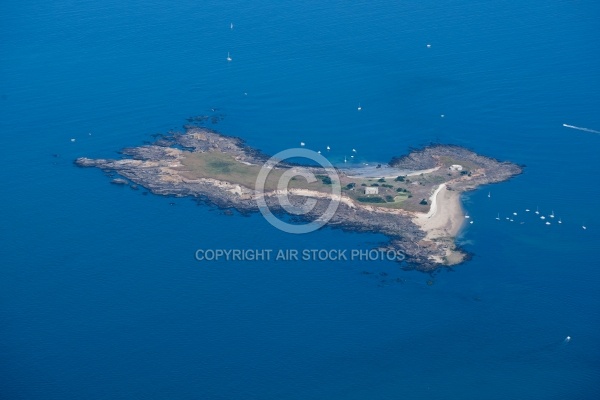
(100,294)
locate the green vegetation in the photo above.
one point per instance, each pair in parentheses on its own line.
(371,200)
(399,179)
(325,179)
(423,202)
(381,180)
(223,167)
(385,185)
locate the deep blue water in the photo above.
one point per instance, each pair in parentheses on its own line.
(100,295)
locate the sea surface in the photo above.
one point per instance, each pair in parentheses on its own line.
(101,296)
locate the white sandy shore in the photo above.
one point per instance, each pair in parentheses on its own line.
(385,172)
(445,217)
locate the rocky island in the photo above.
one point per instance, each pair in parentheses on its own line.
(414,200)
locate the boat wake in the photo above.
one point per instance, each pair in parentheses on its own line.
(581,129)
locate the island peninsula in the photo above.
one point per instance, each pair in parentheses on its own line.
(414,200)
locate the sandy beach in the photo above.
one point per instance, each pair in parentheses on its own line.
(384,171)
(445,217)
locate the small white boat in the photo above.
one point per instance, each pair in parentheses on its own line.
(231,25)
(584,227)
(537,210)
(498,217)
(542,217)
(552,215)
(559,221)
(471,222)
(489,194)
(302,144)
(527,210)
(547,223)
(467,215)
(514,213)
(345,160)
(354,150)
(359,107)
(328,148)
(229,57)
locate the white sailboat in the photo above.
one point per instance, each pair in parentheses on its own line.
(498,217)
(359,107)
(537,210)
(229,57)
(552,215)
(489,194)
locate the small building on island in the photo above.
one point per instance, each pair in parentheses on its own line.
(371,190)
(455,167)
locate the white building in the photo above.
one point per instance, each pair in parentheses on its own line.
(371,190)
(456,167)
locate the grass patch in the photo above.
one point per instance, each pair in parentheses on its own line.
(370,199)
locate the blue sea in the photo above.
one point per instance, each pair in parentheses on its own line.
(101,296)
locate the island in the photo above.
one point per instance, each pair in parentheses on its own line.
(414,200)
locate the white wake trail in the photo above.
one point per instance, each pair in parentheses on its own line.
(580,129)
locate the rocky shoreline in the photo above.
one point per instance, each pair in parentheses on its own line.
(160,168)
